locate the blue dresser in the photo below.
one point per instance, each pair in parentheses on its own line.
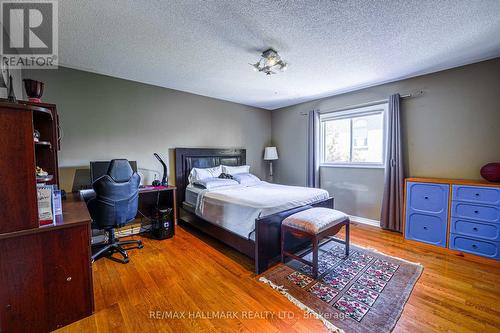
(427,212)
(466,220)
(475,220)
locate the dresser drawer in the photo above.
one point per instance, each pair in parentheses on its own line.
(426,228)
(427,197)
(474,246)
(483,230)
(475,212)
(476,194)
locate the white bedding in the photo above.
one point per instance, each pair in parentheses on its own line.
(235,208)
(192,193)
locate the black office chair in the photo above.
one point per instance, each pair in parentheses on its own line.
(115,204)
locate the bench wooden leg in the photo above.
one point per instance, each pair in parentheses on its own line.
(315,254)
(347,239)
(282,245)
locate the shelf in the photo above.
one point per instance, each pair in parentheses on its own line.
(43,143)
(22,105)
(39,104)
(44,179)
(42,111)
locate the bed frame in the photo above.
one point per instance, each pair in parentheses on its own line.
(266,247)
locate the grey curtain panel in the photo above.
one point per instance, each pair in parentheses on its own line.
(313,150)
(392,202)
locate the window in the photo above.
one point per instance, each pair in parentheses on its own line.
(354,137)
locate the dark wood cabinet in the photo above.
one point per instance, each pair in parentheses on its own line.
(22,300)
(47,123)
(17,169)
(46,277)
(67,280)
(45,272)
(19,156)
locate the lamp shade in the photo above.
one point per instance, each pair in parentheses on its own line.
(270,153)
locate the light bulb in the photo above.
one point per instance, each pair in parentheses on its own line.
(271,61)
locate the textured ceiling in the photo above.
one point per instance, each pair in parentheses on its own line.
(204,47)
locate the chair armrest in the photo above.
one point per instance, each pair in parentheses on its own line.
(87,195)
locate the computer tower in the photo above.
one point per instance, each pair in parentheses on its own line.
(162,226)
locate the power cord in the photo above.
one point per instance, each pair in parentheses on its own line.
(143,216)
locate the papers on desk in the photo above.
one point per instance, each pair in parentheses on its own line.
(49,204)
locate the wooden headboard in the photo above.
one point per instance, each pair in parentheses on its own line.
(188,158)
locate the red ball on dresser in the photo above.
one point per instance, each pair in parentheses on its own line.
(491,172)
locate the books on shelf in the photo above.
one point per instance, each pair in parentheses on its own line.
(49,204)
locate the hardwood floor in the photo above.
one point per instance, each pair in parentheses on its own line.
(193,275)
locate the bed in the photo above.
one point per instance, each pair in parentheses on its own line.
(247,218)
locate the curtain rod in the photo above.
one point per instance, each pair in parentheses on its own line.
(415,94)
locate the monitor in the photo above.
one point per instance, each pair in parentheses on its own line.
(100,168)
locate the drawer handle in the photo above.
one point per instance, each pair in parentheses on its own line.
(474,246)
(425,228)
(475,229)
(426,198)
(476,211)
(69,278)
(477,194)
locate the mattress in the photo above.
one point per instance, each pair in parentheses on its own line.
(235,208)
(192,193)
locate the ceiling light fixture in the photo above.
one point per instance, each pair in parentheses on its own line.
(269,63)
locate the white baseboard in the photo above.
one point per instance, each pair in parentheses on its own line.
(364,220)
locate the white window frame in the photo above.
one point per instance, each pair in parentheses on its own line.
(354,113)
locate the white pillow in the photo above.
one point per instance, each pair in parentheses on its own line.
(213,183)
(233,170)
(203,173)
(247,179)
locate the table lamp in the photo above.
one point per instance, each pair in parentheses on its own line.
(270,154)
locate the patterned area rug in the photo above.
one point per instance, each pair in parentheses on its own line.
(365,292)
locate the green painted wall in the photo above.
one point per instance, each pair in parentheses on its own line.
(450,131)
(104,117)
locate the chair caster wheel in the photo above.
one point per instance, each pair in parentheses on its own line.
(140,246)
(125,261)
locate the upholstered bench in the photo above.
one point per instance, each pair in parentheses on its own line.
(315,224)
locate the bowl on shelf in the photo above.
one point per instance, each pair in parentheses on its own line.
(491,172)
(34,89)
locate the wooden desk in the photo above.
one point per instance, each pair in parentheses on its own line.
(164,196)
(75,213)
(46,273)
(149,198)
